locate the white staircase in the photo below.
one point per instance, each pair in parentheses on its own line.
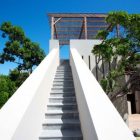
(62,117)
(36,100)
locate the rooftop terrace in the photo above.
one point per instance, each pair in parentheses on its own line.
(68,26)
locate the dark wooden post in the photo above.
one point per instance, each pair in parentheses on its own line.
(118,30)
(85,26)
(52,28)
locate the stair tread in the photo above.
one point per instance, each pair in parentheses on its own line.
(61,133)
(54,104)
(63,73)
(63,70)
(62,97)
(53,94)
(62,92)
(61,111)
(63,77)
(60,80)
(63,87)
(62,83)
(61,121)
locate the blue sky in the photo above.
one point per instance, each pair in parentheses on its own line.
(31,15)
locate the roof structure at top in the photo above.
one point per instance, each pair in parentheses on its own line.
(66,26)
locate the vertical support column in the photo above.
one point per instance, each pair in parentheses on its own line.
(137,101)
(118,30)
(52,27)
(85,26)
(96,67)
(89,62)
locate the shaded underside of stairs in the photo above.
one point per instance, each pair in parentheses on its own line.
(62,117)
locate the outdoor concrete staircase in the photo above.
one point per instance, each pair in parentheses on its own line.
(62,118)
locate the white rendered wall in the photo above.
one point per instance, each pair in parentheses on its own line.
(53,44)
(84,48)
(99,118)
(22,116)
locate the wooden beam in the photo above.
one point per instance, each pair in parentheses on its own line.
(57,20)
(89,26)
(76,30)
(72,20)
(85,27)
(74,34)
(82,28)
(55,31)
(118,30)
(52,27)
(76,15)
(65,36)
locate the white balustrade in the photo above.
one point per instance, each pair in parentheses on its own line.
(22,116)
(99,118)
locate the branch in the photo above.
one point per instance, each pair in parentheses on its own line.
(99,59)
(18,63)
(99,69)
(119,93)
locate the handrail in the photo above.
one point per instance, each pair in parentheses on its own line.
(99,118)
(21,117)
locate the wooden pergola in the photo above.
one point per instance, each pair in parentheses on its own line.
(66,26)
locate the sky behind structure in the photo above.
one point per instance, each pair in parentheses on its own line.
(31,15)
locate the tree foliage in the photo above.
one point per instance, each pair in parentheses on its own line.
(7,88)
(10,83)
(122,47)
(18,77)
(19,49)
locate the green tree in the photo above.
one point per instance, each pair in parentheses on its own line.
(120,47)
(18,77)
(7,88)
(19,49)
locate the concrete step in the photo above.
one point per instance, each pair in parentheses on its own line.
(62,124)
(63,80)
(62,99)
(61,135)
(63,90)
(64,67)
(63,114)
(63,71)
(61,83)
(62,106)
(64,76)
(62,94)
(63,86)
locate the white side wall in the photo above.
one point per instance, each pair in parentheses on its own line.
(53,44)
(84,48)
(22,116)
(99,118)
